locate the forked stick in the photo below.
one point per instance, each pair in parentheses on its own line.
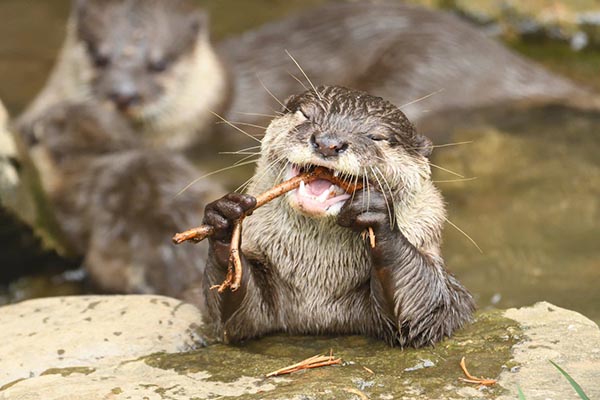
(234,271)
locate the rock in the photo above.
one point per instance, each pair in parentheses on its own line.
(514,345)
(28,234)
(554,19)
(81,334)
(565,337)
(21,249)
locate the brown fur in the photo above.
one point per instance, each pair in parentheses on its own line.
(310,275)
(116,202)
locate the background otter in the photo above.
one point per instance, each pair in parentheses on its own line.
(116,202)
(150,58)
(153,60)
(307,270)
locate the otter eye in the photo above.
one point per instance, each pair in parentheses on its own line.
(100,59)
(377,137)
(301,114)
(158,65)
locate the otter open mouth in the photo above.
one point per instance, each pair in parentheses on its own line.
(319,197)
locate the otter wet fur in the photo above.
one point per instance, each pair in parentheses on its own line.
(116,201)
(307,270)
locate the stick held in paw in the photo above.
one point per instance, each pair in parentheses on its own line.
(234,271)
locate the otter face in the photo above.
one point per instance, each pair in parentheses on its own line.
(361,138)
(138,50)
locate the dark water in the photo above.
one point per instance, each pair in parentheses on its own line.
(534,208)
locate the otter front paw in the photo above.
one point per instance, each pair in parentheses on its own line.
(222,213)
(367,209)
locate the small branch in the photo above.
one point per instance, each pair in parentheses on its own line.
(312,362)
(195,234)
(473,379)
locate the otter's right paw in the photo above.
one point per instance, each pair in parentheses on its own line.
(221,214)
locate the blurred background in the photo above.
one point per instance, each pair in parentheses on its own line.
(534,207)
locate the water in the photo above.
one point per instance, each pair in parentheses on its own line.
(533,209)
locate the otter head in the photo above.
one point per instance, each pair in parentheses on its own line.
(139,51)
(361,138)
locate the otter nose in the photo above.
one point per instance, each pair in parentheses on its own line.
(124,96)
(328,145)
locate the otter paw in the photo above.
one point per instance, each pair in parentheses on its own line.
(222,213)
(366,210)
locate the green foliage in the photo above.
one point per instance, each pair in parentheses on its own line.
(574,384)
(521,395)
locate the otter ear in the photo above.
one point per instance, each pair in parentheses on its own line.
(199,21)
(423,145)
(291,104)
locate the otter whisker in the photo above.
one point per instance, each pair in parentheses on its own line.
(271,93)
(455,180)
(213,173)
(446,170)
(245,150)
(389,189)
(304,73)
(244,124)
(283,169)
(235,127)
(258,114)
(246,158)
(387,205)
(268,168)
(298,80)
(452,144)
(366,186)
(421,98)
(239,153)
(355,183)
(437,146)
(465,234)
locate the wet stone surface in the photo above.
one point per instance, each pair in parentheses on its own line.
(115,347)
(369,366)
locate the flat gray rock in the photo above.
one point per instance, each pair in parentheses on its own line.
(147,347)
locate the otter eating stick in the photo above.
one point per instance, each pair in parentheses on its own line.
(234,271)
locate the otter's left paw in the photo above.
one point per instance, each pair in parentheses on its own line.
(366,210)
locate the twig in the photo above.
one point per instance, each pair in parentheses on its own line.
(473,379)
(234,271)
(311,362)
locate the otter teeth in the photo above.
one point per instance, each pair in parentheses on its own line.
(325,195)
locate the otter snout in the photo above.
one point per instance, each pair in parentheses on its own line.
(124,96)
(328,144)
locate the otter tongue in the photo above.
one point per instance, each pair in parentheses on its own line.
(318,186)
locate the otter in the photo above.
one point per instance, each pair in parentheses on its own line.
(151,59)
(154,61)
(307,269)
(116,201)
